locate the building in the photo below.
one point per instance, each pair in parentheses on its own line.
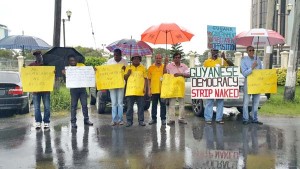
(3,31)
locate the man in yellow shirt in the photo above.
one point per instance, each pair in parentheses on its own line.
(155,74)
(136,79)
(215,61)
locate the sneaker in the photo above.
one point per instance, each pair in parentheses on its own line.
(46,125)
(121,123)
(37,125)
(163,122)
(152,122)
(142,123)
(258,122)
(182,121)
(171,122)
(220,122)
(113,123)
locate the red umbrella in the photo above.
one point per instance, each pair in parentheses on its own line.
(258,37)
(166,33)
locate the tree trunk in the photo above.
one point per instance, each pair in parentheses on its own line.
(291,76)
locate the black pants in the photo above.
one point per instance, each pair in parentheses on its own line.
(140,103)
(155,99)
(76,94)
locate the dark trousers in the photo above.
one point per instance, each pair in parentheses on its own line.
(76,94)
(155,98)
(140,104)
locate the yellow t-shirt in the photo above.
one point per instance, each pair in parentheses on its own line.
(213,63)
(136,81)
(80,64)
(140,68)
(154,75)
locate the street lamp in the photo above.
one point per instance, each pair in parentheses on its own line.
(103,45)
(69,13)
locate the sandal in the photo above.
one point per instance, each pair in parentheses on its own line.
(220,122)
(208,122)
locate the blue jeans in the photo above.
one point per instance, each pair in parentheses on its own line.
(208,111)
(155,98)
(76,94)
(255,104)
(116,96)
(140,104)
(45,96)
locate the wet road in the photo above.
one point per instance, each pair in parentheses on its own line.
(195,145)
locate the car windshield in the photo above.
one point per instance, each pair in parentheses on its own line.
(6,77)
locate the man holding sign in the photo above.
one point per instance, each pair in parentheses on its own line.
(117,95)
(215,61)
(248,64)
(136,78)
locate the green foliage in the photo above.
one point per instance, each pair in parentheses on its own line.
(281,77)
(7,53)
(60,99)
(177,48)
(88,51)
(94,61)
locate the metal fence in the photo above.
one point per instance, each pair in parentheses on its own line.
(11,65)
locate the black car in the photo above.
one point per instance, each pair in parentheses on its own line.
(101,98)
(12,98)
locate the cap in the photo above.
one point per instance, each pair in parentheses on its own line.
(37,52)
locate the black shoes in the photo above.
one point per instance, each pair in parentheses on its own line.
(246,122)
(74,125)
(142,123)
(88,123)
(171,122)
(257,122)
(152,122)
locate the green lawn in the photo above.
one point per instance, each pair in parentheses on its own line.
(276,106)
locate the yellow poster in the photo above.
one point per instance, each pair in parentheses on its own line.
(156,77)
(262,81)
(172,86)
(110,77)
(37,78)
(135,84)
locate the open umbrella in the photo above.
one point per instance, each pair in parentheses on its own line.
(58,57)
(131,47)
(166,33)
(23,42)
(259,37)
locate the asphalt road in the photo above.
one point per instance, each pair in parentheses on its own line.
(195,145)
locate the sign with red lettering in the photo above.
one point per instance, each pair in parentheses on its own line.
(214,82)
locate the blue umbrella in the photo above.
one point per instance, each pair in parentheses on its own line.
(23,42)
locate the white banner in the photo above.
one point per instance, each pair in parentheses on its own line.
(80,76)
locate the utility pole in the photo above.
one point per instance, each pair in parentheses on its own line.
(57,22)
(291,76)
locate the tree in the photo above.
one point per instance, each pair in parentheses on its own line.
(88,51)
(8,54)
(176,48)
(291,76)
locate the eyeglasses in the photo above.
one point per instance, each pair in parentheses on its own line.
(251,50)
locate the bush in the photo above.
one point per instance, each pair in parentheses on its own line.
(281,77)
(60,99)
(94,61)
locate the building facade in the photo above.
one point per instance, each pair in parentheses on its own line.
(3,31)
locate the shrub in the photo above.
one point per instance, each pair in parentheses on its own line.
(94,61)
(60,99)
(281,77)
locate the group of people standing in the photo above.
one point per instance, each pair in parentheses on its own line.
(153,79)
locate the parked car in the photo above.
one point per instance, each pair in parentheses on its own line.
(101,98)
(198,104)
(12,98)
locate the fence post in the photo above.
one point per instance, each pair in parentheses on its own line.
(20,62)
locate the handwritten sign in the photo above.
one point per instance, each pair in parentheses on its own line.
(214,82)
(80,76)
(37,78)
(221,37)
(110,77)
(135,84)
(262,81)
(172,87)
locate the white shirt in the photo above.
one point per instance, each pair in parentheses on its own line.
(112,61)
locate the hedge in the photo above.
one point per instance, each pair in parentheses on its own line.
(281,77)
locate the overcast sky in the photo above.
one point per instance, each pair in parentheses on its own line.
(117,19)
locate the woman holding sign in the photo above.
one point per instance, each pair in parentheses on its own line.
(136,87)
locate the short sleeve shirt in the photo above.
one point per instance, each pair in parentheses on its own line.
(155,74)
(213,63)
(182,68)
(112,61)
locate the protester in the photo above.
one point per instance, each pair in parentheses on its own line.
(117,95)
(155,74)
(139,98)
(215,61)
(38,96)
(248,64)
(178,70)
(76,94)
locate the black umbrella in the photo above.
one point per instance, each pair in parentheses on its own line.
(58,57)
(23,42)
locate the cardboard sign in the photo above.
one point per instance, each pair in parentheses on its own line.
(110,77)
(221,37)
(135,84)
(80,76)
(172,87)
(262,81)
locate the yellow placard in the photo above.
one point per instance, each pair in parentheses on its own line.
(262,81)
(135,84)
(110,77)
(37,78)
(172,86)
